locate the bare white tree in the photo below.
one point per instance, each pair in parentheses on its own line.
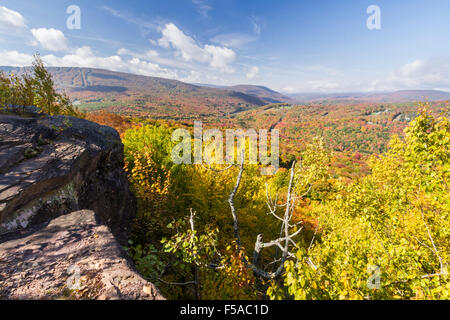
(285,242)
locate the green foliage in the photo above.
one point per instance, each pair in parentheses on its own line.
(45,96)
(159,185)
(395,220)
(149,138)
(14,91)
(147,261)
(164,191)
(38,90)
(312,171)
(391,225)
(189,246)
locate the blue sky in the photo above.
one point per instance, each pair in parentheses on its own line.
(291,46)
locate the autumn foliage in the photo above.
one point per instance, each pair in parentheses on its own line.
(381,236)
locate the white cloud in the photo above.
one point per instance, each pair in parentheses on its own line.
(15,59)
(51,39)
(252,73)
(186,72)
(11,19)
(221,58)
(427,74)
(218,58)
(186,46)
(142,67)
(84,57)
(155,57)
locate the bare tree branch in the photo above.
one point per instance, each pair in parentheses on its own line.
(231,202)
(314,236)
(286,237)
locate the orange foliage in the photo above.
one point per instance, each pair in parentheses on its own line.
(118,122)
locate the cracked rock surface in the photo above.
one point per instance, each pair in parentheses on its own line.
(53,165)
(71,257)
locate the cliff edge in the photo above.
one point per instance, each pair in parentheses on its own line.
(65,205)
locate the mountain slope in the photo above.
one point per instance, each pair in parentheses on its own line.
(141,95)
(261,92)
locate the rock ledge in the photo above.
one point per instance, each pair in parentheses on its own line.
(72,257)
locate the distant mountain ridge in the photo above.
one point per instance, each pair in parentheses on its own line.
(261,92)
(268,95)
(394,96)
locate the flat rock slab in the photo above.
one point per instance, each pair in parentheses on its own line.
(72,257)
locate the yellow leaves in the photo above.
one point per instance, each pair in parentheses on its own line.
(343,295)
(145,177)
(376,220)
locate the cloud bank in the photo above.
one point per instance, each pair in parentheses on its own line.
(219,58)
(10,19)
(51,39)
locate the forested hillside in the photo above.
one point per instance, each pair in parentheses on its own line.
(129,94)
(389,227)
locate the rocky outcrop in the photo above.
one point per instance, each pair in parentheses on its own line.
(50,166)
(65,211)
(72,257)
